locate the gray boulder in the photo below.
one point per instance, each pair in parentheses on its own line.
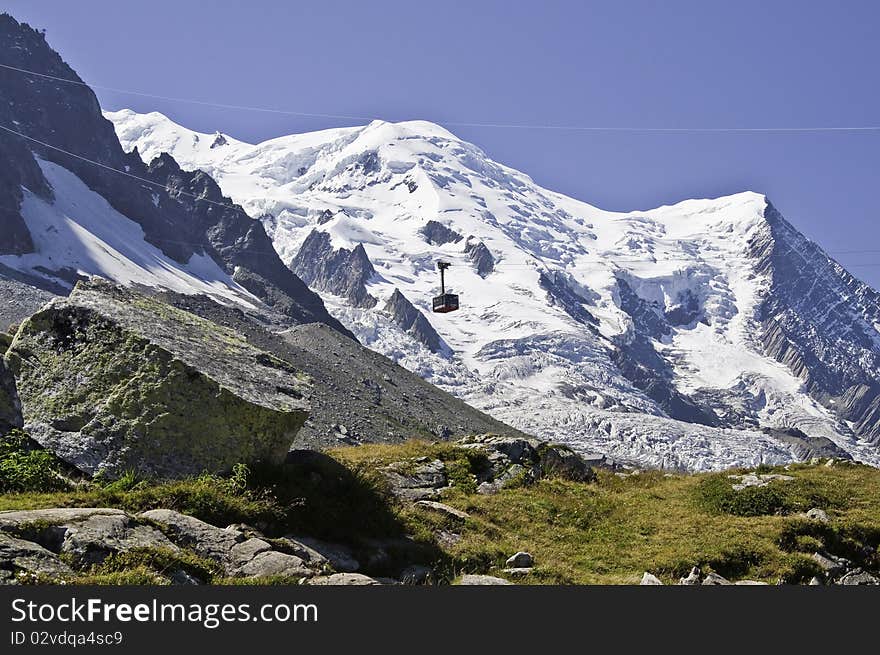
(322,553)
(831,565)
(444,509)
(713,579)
(520,560)
(693,578)
(756,480)
(414,481)
(347,579)
(202,538)
(482,580)
(858,577)
(563,462)
(272,563)
(111,380)
(650,579)
(21,556)
(817,514)
(524,460)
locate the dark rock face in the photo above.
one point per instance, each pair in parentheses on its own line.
(17,169)
(410,319)
(686,311)
(807,447)
(357,395)
(480,256)
(111,380)
(561,292)
(341,272)
(834,347)
(438,234)
(640,363)
(68,116)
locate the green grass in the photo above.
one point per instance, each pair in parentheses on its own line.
(607,532)
(23,466)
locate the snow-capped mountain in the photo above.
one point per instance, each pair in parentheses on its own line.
(700,335)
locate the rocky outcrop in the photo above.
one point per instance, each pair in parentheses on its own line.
(111,380)
(480,257)
(416,481)
(82,536)
(523,461)
(409,319)
(22,560)
(495,462)
(438,234)
(563,292)
(10,407)
(57,545)
(341,272)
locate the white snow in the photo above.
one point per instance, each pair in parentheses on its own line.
(517,355)
(82,232)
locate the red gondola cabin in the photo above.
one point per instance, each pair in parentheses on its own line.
(445,302)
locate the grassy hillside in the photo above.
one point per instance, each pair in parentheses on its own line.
(607,532)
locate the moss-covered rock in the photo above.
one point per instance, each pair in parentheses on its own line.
(111,380)
(10,408)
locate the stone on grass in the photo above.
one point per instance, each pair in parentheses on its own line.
(443,509)
(415,481)
(274,564)
(817,514)
(713,578)
(650,579)
(520,560)
(693,577)
(353,579)
(471,579)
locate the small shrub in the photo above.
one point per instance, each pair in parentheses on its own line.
(717,495)
(459,473)
(24,467)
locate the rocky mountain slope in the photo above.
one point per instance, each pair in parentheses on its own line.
(81,205)
(700,335)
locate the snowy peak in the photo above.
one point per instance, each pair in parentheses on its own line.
(682,336)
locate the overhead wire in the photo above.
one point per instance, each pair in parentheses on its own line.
(473,124)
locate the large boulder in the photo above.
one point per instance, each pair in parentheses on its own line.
(10,407)
(111,380)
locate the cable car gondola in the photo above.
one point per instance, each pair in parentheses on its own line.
(445,302)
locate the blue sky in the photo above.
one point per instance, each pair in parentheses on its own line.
(626,63)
